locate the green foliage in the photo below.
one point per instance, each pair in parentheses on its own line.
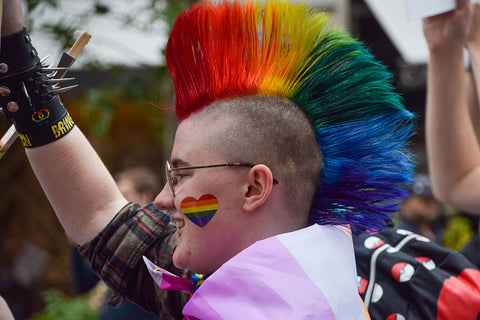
(59,306)
(457,233)
(100,8)
(120,89)
(155,10)
(172,9)
(99,109)
(32,5)
(63,32)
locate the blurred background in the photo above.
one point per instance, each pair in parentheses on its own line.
(123,105)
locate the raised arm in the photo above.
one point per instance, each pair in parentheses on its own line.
(473,102)
(452,148)
(77,184)
(473,74)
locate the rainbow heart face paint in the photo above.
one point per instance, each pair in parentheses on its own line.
(200,211)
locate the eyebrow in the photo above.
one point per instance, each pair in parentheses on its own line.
(176,163)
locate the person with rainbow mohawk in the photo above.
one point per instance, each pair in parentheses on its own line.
(221,51)
(290,139)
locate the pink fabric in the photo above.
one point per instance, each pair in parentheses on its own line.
(176,283)
(167,280)
(262,282)
(306,274)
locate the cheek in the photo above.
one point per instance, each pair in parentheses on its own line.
(194,251)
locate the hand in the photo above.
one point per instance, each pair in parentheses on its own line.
(12,19)
(449,30)
(473,36)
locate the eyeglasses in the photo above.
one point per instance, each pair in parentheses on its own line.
(172,181)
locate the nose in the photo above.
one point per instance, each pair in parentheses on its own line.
(164,200)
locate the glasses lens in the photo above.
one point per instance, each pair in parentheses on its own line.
(168,175)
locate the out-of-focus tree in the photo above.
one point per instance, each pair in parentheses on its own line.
(63,31)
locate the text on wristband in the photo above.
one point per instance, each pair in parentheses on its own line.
(63,126)
(25,140)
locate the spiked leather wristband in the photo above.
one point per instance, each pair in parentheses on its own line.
(27,96)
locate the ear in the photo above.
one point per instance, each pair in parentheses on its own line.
(260,184)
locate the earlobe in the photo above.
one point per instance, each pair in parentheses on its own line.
(260,180)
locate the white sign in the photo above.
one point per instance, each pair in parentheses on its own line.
(405,34)
(427,8)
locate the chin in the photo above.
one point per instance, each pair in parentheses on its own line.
(193,266)
(184,262)
(178,261)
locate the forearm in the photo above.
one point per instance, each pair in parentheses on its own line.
(473,104)
(474,83)
(12,20)
(452,149)
(77,184)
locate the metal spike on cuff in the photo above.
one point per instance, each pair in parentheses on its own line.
(62,90)
(25,92)
(45,58)
(53,72)
(55,81)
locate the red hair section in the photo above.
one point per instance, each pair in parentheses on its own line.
(213,52)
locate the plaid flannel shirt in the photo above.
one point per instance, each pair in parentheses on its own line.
(116,256)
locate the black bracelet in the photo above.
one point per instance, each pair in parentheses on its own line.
(17,54)
(26,93)
(44,126)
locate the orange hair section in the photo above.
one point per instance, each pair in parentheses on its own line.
(230,49)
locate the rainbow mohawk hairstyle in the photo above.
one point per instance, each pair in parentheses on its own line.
(220,50)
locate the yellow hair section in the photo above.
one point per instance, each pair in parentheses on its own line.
(288,36)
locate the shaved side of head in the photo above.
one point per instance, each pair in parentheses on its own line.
(272,131)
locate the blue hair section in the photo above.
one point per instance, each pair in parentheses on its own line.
(362,129)
(366,167)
